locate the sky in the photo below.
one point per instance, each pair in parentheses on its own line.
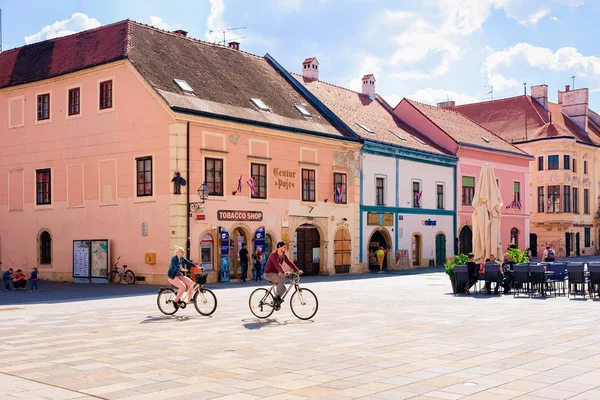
(430,50)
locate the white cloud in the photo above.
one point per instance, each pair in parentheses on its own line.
(392,99)
(159,23)
(215,20)
(555,19)
(434,96)
(77,23)
(368,65)
(535,17)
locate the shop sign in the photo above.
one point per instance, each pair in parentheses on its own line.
(224,239)
(429,222)
(284,178)
(230,215)
(380,219)
(400,217)
(343,223)
(402,258)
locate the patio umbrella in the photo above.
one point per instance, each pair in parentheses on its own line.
(486,217)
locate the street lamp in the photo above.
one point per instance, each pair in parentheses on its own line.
(203,193)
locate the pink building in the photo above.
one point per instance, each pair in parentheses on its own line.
(95,127)
(475,146)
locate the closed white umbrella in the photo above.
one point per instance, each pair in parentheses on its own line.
(486,217)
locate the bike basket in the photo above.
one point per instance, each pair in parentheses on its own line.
(201,279)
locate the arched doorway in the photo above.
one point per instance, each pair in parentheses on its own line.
(533,244)
(378,239)
(440,249)
(239,238)
(207,252)
(342,251)
(45,242)
(514,237)
(417,250)
(465,240)
(308,249)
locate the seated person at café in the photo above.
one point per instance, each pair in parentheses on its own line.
(488,285)
(473,272)
(20,280)
(507,272)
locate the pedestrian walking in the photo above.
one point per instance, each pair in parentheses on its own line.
(258,260)
(244,260)
(34,279)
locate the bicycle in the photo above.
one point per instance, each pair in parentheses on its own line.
(304,302)
(127,274)
(204,299)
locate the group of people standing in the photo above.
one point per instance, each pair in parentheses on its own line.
(19,280)
(257,261)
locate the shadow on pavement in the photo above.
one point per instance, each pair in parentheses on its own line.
(165,319)
(254,324)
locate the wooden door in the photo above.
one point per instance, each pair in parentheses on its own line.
(342,252)
(308,249)
(440,249)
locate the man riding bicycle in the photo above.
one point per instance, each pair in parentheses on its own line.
(176,277)
(274,270)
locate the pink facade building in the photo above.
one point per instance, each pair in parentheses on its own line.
(475,146)
(99,130)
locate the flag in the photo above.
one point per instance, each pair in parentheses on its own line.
(340,194)
(511,205)
(519,204)
(418,198)
(251,184)
(239,188)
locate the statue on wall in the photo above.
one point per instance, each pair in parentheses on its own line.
(178,182)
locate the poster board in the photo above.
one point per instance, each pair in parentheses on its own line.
(81,260)
(90,261)
(99,259)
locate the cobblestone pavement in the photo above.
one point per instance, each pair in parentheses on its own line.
(388,337)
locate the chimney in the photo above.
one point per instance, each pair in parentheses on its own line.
(446,104)
(368,85)
(310,68)
(234,45)
(180,32)
(540,93)
(575,105)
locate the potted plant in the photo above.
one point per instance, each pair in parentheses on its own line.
(460,259)
(518,256)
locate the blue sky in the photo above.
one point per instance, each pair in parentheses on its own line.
(429,50)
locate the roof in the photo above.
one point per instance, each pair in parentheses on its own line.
(463,130)
(224,79)
(355,108)
(521,118)
(309,60)
(368,76)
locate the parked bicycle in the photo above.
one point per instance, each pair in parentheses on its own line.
(204,299)
(116,276)
(304,302)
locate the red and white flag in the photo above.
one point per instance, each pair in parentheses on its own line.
(251,184)
(239,188)
(418,198)
(339,193)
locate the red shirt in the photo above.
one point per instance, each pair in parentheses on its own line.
(274,264)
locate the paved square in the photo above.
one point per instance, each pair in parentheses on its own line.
(375,336)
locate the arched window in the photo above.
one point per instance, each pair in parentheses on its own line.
(45,248)
(514,237)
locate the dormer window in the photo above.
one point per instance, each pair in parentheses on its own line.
(365,128)
(183,85)
(260,105)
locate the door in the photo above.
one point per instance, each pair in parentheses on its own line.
(239,238)
(440,249)
(308,243)
(466,240)
(416,250)
(342,252)
(577,244)
(568,243)
(533,246)
(377,241)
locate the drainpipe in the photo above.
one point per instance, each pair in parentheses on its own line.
(187,211)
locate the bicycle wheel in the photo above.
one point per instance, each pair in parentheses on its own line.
(165,301)
(304,303)
(129,277)
(258,307)
(205,301)
(114,277)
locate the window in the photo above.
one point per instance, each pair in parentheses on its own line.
(106,95)
(440,196)
(144,176)
(587,237)
(552,162)
(365,128)
(419,140)
(302,111)
(45,248)
(308,185)
(43,107)
(183,85)
(586,201)
(259,174)
(485,139)
(585,169)
(416,190)
(340,188)
(574,165)
(213,175)
(567,161)
(567,198)
(399,136)
(540,199)
(260,104)
(553,199)
(43,186)
(517,194)
(379,191)
(540,163)
(514,237)
(576,200)
(468,190)
(74,95)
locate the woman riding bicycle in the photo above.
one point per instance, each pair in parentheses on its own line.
(176,277)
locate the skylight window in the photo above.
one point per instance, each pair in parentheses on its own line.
(259,103)
(365,128)
(419,140)
(485,139)
(302,111)
(399,136)
(183,85)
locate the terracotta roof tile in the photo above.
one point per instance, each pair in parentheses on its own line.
(355,108)
(462,129)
